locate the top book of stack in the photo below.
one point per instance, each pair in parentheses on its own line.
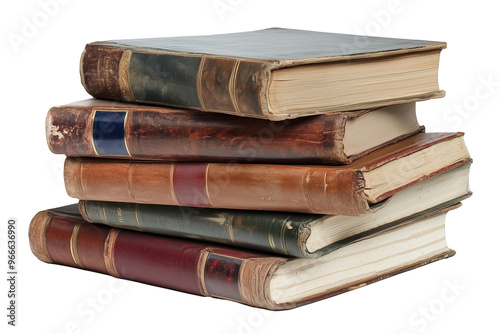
(274,74)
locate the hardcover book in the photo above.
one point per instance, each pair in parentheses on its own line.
(285,233)
(271,73)
(61,236)
(101,128)
(351,190)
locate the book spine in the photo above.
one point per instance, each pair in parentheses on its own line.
(176,135)
(194,81)
(156,260)
(276,232)
(307,189)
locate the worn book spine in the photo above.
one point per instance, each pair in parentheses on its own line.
(61,236)
(295,188)
(196,268)
(281,233)
(153,133)
(194,81)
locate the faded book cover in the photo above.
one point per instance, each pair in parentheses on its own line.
(240,73)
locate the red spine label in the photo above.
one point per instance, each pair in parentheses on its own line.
(222,275)
(190,184)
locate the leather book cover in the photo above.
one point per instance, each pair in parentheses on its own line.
(99,128)
(60,236)
(336,190)
(231,73)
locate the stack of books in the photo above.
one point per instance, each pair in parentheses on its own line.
(273,168)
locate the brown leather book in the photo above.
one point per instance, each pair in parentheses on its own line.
(99,128)
(351,190)
(61,236)
(271,73)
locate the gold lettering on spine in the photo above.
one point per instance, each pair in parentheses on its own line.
(109,250)
(119,214)
(73,245)
(123,78)
(199,82)
(232,87)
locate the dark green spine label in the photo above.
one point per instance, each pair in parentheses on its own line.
(166,79)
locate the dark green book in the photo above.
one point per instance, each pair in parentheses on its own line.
(271,73)
(294,234)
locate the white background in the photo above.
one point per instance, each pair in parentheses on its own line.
(41,43)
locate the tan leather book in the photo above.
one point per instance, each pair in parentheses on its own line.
(350,190)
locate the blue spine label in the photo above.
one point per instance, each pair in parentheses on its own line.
(108,133)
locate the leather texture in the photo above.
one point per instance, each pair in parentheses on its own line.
(307,189)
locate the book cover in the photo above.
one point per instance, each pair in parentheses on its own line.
(61,236)
(271,73)
(101,128)
(351,190)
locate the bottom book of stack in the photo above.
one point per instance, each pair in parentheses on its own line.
(260,279)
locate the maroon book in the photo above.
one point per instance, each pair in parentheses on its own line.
(61,236)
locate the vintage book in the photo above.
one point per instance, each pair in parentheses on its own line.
(286,233)
(258,279)
(349,190)
(102,128)
(271,73)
